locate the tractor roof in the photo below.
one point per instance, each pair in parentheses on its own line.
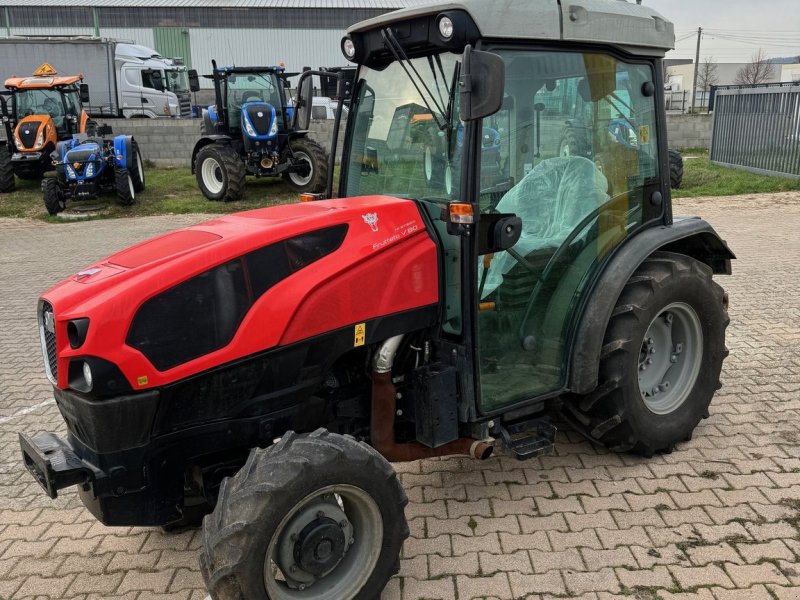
(620,23)
(43,78)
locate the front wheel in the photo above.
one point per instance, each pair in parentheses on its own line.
(7,182)
(661,359)
(54,200)
(312,173)
(220,173)
(124,187)
(137,169)
(314,517)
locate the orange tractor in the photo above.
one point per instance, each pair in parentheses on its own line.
(38,112)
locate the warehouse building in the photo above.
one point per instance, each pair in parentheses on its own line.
(297,33)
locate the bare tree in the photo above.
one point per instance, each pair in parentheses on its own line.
(708,75)
(758,70)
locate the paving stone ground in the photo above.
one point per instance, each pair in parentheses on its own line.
(717,519)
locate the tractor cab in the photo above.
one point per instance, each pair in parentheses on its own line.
(39,111)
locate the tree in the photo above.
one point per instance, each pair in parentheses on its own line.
(708,75)
(758,70)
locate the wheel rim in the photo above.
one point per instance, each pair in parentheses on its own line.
(670,358)
(297,178)
(130,186)
(326,547)
(212,175)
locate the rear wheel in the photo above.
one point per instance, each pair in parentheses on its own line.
(137,169)
(54,200)
(7,182)
(123,185)
(313,176)
(220,173)
(661,358)
(314,517)
(675,169)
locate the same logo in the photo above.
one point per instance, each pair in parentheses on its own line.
(371,219)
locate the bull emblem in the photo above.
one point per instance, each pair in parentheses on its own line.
(371,219)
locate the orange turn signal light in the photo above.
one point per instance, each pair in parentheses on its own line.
(309,197)
(461,212)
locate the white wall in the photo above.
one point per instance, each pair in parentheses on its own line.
(790,73)
(297,48)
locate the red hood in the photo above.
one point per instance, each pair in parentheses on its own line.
(111,290)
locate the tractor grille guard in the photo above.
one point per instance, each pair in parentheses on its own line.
(27,135)
(47,334)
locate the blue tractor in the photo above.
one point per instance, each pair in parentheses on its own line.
(253,130)
(87,167)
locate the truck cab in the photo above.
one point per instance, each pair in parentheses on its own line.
(151,86)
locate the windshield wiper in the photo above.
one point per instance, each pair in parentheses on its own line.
(401,57)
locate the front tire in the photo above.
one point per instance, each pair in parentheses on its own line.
(137,169)
(220,173)
(661,359)
(315,177)
(316,516)
(124,187)
(7,182)
(54,200)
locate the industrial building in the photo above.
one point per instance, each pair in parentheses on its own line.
(297,33)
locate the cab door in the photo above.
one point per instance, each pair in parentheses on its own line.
(576,207)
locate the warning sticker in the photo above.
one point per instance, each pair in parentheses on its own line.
(45,70)
(360,335)
(644,134)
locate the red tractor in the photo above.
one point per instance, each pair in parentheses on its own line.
(470,285)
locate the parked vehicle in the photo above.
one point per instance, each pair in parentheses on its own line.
(87,167)
(127,80)
(252,130)
(272,364)
(37,112)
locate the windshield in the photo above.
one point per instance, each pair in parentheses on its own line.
(251,87)
(399,146)
(178,81)
(39,102)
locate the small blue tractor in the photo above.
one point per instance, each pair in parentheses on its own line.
(253,129)
(89,166)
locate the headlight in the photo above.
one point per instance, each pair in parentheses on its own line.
(348,48)
(89,170)
(446,28)
(274,129)
(70,172)
(39,138)
(87,375)
(249,128)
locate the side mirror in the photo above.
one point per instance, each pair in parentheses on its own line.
(104,130)
(498,232)
(83,91)
(482,82)
(194,81)
(305,95)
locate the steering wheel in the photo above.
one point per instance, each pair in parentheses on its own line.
(50,106)
(623,132)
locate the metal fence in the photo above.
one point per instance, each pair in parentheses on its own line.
(757,128)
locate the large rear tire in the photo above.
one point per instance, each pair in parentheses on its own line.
(7,182)
(675,169)
(220,173)
(661,359)
(54,200)
(314,517)
(124,187)
(315,177)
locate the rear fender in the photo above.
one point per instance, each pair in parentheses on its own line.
(693,237)
(205,141)
(123,151)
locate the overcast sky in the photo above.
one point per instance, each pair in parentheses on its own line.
(748,25)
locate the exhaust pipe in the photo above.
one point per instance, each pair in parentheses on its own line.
(384,406)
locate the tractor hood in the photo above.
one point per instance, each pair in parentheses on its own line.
(214,292)
(33,132)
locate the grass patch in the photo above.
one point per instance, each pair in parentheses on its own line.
(702,178)
(169,191)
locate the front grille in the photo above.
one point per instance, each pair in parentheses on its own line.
(47,332)
(27,134)
(82,155)
(185,101)
(261,117)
